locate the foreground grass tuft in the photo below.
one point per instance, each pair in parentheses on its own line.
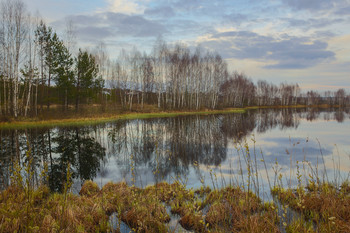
(323,208)
(44,212)
(25,207)
(143,210)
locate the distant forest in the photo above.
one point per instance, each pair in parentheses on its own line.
(38,69)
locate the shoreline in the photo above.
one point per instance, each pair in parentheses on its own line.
(30,123)
(78,121)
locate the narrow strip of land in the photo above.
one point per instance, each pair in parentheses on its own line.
(102,118)
(28,123)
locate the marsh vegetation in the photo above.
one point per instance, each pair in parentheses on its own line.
(198,173)
(166,165)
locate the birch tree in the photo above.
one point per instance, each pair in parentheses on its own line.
(13,24)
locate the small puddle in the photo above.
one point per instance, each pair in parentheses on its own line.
(114,222)
(174,225)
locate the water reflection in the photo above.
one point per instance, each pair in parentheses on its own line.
(158,149)
(55,147)
(79,149)
(168,147)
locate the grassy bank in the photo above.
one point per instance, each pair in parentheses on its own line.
(94,115)
(322,106)
(76,121)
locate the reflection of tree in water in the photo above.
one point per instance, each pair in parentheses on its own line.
(312,115)
(283,118)
(169,146)
(197,138)
(78,148)
(8,149)
(54,147)
(289,118)
(238,126)
(131,139)
(339,116)
(14,146)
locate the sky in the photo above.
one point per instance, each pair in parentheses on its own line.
(294,41)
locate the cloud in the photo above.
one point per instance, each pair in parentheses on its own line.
(203,9)
(240,34)
(125,6)
(343,10)
(84,20)
(163,11)
(189,4)
(100,26)
(296,54)
(286,52)
(180,28)
(331,7)
(309,4)
(94,33)
(235,18)
(134,25)
(313,23)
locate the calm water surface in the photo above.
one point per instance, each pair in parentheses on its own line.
(214,150)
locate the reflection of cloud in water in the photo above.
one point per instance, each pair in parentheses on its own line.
(263,143)
(338,158)
(298,149)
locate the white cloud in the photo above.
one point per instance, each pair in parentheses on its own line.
(341,46)
(126,6)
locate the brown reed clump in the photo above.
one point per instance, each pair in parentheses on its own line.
(233,210)
(138,208)
(89,189)
(325,205)
(43,212)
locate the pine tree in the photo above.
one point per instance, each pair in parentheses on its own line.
(62,74)
(87,82)
(43,39)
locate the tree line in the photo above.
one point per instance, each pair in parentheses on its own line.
(39,69)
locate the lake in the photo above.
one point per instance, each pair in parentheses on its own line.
(215,150)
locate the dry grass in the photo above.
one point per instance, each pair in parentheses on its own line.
(46,212)
(89,119)
(143,213)
(143,210)
(325,206)
(234,210)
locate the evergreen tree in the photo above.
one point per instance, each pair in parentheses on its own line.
(43,39)
(87,80)
(63,74)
